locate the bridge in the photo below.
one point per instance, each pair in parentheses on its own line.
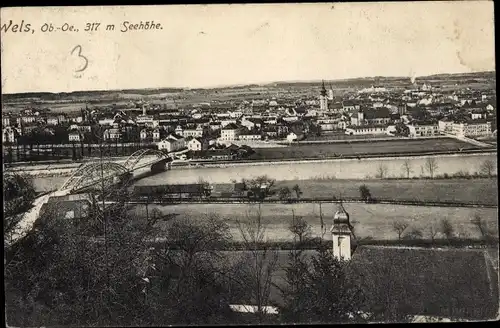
(94,173)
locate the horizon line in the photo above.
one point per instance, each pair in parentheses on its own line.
(266,83)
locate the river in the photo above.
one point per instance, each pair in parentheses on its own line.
(338,168)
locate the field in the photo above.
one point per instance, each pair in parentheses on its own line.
(483,191)
(354,148)
(370,220)
(342,136)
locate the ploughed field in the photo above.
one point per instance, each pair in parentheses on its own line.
(298,151)
(369,220)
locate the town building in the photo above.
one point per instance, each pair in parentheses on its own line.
(445,125)
(247,136)
(112,134)
(294,136)
(366,130)
(230,132)
(423,129)
(476,128)
(75,136)
(350,105)
(196,144)
(10,134)
(5,121)
(197,132)
(172,142)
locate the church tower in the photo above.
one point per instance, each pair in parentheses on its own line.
(341,234)
(323,98)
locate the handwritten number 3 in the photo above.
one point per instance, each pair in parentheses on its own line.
(81,56)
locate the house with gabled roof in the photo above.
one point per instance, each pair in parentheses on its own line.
(172,142)
(196,144)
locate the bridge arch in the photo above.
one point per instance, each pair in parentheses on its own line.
(90,173)
(133,159)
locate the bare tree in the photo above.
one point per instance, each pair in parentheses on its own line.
(487,168)
(447,229)
(259,263)
(433,231)
(300,229)
(297,190)
(399,227)
(381,171)
(406,167)
(365,193)
(482,226)
(431,166)
(414,233)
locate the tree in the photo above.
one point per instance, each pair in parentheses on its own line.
(320,291)
(300,229)
(260,186)
(487,168)
(19,194)
(381,171)
(407,169)
(192,278)
(433,231)
(482,226)
(365,193)
(72,273)
(447,229)
(295,272)
(284,194)
(258,264)
(399,227)
(431,166)
(297,191)
(414,234)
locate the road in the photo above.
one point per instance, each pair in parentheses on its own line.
(29,218)
(469,140)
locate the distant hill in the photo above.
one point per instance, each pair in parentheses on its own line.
(359,82)
(80,94)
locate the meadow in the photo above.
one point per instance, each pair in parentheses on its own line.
(370,220)
(320,150)
(482,191)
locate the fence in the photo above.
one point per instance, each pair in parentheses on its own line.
(241,200)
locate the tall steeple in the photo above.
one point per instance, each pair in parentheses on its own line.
(341,234)
(323,89)
(323,100)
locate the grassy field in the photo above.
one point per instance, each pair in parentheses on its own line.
(459,190)
(340,135)
(325,150)
(370,220)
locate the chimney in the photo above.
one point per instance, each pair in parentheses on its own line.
(341,234)
(144,110)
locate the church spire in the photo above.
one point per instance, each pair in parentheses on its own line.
(323,89)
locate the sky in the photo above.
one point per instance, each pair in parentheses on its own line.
(213,45)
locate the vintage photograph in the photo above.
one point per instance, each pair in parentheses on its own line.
(249,164)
